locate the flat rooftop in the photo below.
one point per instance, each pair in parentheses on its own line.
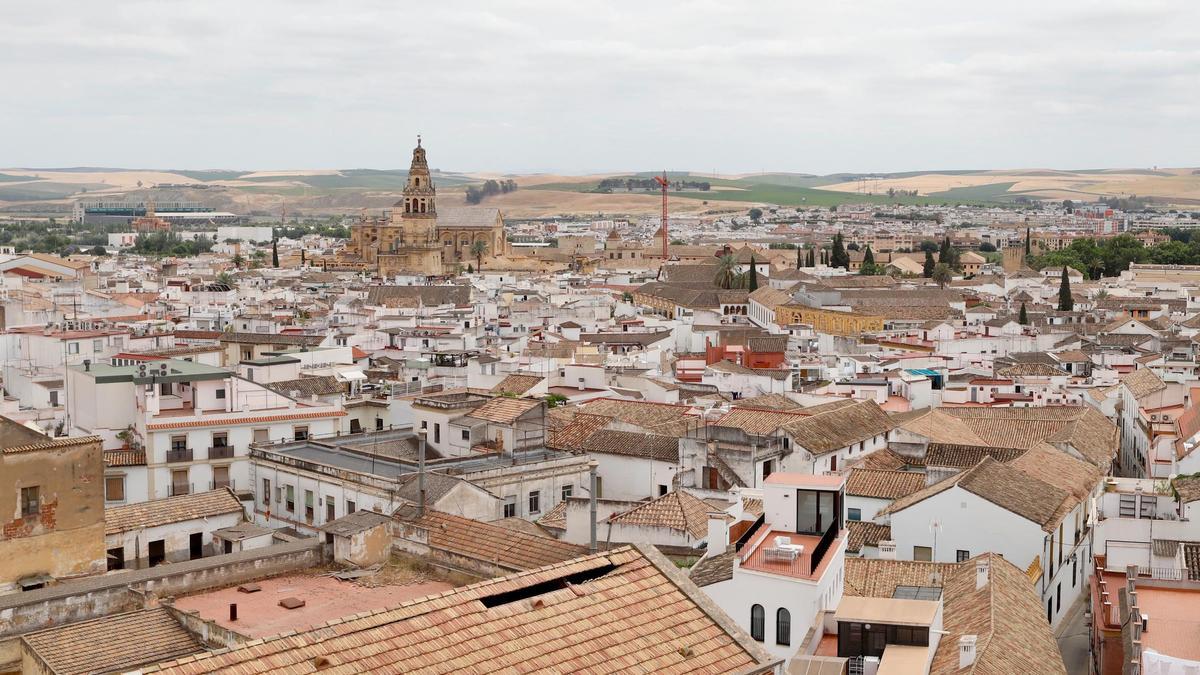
(380,455)
(326,598)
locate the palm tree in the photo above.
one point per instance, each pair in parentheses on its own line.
(225,278)
(942,275)
(478,248)
(726,271)
(238,260)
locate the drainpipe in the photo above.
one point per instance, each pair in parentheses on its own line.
(592,498)
(421,474)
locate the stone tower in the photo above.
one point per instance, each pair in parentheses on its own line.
(415,248)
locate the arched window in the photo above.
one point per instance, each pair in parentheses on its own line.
(757,623)
(783,627)
(422,206)
(417,182)
(408,206)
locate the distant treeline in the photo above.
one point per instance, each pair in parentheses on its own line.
(631,184)
(478,193)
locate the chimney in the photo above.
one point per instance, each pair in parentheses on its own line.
(981,573)
(966,651)
(718,533)
(887,549)
(87,365)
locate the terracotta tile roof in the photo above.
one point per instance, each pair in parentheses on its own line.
(878,578)
(484,541)
(713,569)
(1143,382)
(758,421)
(655,417)
(627,610)
(505,410)
(1031,370)
(1006,616)
(115,458)
(113,643)
(1083,428)
(966,456)
(677,510)
(633,444)
(517,384)
(862,533)
(177,509)
(307,386)
(769,402)
(572,435)
(209,421)
(556,517)
(940,427)
(883,484)
(1187,487)
(839,428)
(887,460)
(273,339)
(413,296)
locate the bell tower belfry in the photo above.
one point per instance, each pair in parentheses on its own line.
(419,193)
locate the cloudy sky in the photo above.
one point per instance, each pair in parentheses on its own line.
(863,85)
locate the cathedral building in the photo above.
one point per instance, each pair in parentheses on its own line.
(419,238)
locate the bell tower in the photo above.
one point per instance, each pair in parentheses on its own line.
(419,193)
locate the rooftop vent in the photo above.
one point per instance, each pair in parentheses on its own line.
(291,603)
(966,651)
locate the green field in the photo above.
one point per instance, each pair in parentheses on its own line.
(12,178)
(207,175)
(32,192)
(770,189)
(994,192)
(364,179)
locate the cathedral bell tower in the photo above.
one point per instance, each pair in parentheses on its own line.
(413,238)
(419,194)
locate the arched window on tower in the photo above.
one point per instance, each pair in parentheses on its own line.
(422,206)
(417,182)
(408,206)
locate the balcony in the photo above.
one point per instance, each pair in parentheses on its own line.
(179,455)
(220,452)
(177,489)
(218,483)
(790,554)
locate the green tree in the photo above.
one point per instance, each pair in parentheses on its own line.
(942,275)
(799,258)
(226,278)
(98,250)
(928,246)
(752,282)
(927,270)
(478,248)
(555,400)
(275,253)
(839,257)
(868,257)
(238,261)
(1023,317)
(812,257)
(1028,242)
(756,214)
(726,272)
(1065,302)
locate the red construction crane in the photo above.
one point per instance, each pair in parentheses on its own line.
(664,184)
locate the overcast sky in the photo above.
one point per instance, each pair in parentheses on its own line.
(568,86)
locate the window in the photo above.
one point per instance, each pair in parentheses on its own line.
(510,507)
(72,347)
(262,435)
(535,501)
(291,498)
(30,501)
(114,488)
(783,627)
(351,507)
(300,433)
(567,490)
(221,393)
(922,554)
(466,434)
(962,556)
(164,388)
(308,505)
(266,492)
(179,443)
(854,514)
(437,432)
(758,622)
(220,440)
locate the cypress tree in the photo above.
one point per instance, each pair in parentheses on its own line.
(812,258)
(1065,302)
(927,270)
(753,283)
(303,261)
(274,253)
(868,257)
(1023,317)
(1027,242)
(839,257)
(799,257)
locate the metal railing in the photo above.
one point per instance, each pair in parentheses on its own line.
(226,483)
(179,455)
(823,546)
(220,452)
(178,489)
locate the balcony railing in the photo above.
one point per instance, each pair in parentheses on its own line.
(179,455)
(216,484)
(220,452)
(822,547)
(177,489)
